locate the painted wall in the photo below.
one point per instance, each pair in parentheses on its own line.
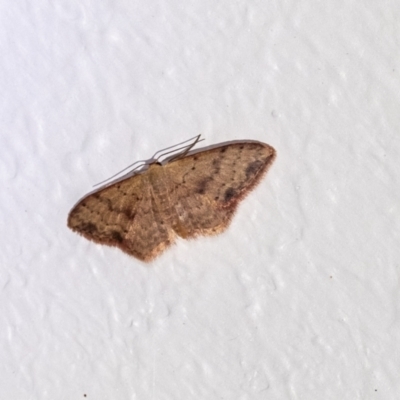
(300,298)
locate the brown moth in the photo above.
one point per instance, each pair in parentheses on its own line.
(190,195)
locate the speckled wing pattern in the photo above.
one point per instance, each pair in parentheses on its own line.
(190,196)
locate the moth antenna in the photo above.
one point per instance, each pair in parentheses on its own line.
(197,139)
(187,149)
(120,172)
(170,147)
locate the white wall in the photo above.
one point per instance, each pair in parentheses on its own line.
(300,298)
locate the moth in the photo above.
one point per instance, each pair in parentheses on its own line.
(191,195)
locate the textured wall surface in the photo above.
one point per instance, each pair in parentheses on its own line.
(300,298)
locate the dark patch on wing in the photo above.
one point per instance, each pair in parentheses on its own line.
(253,168)
(88,227)
(117,236)
(229,194)
(129,213)
(202,185)
(217,165)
